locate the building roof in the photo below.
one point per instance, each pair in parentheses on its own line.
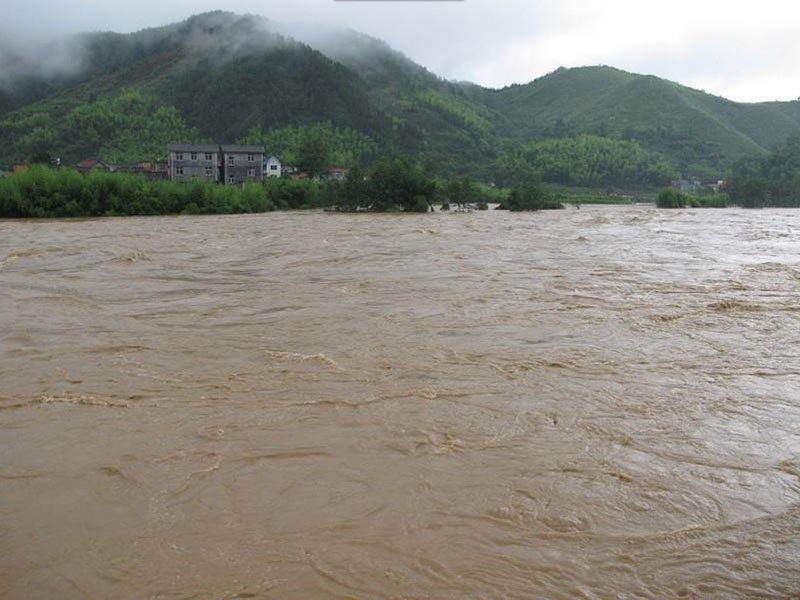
(193,148)
(242,148)
(88,163)
(271,157)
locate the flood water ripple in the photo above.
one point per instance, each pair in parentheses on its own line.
(600,403)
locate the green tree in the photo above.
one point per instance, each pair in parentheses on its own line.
(671,198)
(755,193)
(37,143)
(530,196)
(313,153)
(774,181)
(396,185)
(350,195)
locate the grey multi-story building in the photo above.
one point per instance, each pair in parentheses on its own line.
(242,163)
(192,162)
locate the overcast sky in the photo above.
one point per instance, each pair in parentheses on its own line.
(744,50)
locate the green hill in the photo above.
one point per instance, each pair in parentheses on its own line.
(697,132)
(219,76)
(224,77)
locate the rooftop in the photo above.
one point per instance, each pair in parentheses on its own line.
(242,148)
(193,148)
(88,163)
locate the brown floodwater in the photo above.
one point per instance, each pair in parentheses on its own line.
(594,403)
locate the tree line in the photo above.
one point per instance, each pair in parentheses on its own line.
(584,160)
(772,181)
(392,185)
(42,192)
(754,183)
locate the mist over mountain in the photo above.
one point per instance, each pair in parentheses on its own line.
(226,77)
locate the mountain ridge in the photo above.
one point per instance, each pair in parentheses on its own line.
(226,75)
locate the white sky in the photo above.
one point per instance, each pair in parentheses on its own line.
(744,50)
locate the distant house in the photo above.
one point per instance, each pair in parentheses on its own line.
(338,173)
(272,167)
(191,162)
(695,185)
(684,186)
(158,169)
(242,163)
(94,164)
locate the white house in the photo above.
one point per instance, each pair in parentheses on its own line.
(272,167)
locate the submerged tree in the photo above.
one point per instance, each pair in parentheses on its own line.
(671,198)
(313,155)
(774,181)
(395,184)
(530,196)
(392,185)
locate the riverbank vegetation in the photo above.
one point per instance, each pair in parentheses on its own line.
(392,185)
(770,182)
(773,181)
(531,196)
(584,160)
(41,192)
(671,198)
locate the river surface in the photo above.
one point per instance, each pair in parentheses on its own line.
(595,403)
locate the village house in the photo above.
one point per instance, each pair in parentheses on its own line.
(684,186)
(155,169)
(241,163)
(93,164)
(338,173)
(193,162)
(230,164)
(697,185)
(150,169)
(272,167)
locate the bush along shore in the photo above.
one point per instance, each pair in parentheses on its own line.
(391,186)
(671,198)
(41,192)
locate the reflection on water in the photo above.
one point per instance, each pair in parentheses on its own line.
(579,404)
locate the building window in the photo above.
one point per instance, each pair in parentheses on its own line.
(251,172)
(273,167)
(194,155)
(209,171)
(179,156)
(231,179)
(231,160)
(251,157)
(178,170)
(208,156)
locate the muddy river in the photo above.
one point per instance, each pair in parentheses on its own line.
(595,403)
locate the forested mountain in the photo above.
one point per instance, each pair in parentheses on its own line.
(696,131)
(770,181)
(224,77)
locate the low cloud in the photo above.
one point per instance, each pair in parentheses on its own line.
(25,59)
(743,50)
